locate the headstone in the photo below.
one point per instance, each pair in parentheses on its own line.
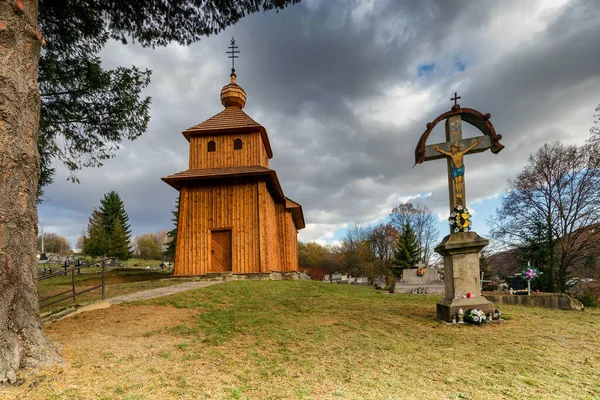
(380,281)
(362,280)
(304,276)
(410,276)
(326,278)
(336,278)
(344,279)
(112,262)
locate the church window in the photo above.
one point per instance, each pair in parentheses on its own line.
(212,146)
(237,144)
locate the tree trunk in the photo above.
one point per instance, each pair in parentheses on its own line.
(22,341)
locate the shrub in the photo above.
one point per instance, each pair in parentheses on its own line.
(588,298)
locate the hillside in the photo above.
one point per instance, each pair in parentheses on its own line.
(311,340)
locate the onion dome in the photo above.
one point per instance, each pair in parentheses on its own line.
(233,95)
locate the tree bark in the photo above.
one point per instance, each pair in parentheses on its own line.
(22,341)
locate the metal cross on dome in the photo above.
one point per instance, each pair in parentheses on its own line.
(233,51)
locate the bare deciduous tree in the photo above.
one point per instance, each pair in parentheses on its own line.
(559,188)
(53,243)
(382,241)
(147,246)
(356,255)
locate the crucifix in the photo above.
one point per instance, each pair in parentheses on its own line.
(461,247)
(454,149)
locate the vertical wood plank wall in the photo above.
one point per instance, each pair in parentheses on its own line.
(261,189)
(252,153)
(273,233)
(264,236)
(206,208)
(291,241)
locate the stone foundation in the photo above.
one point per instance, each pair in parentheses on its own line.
(432,287)
(261,276)
(448,308)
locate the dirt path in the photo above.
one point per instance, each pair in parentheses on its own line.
(144,295)
(164,291)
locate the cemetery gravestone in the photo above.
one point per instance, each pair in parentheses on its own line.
(410,276)
(303,276)
(380,281)
(112,262)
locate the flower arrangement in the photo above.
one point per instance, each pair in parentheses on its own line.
(421,271)
(530,273)
(460,220)
(476,317)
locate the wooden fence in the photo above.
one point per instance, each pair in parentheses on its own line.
(72,293)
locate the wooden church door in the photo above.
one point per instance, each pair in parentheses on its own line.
(221,251)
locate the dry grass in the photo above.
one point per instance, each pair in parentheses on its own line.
(118,281)
(310,340)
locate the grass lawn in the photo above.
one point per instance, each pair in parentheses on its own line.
(311,340)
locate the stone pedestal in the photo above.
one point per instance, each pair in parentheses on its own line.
(461,274)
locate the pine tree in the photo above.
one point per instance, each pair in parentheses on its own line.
(172,234)
(117,242)
(118,231)
(94,242)
(406,254)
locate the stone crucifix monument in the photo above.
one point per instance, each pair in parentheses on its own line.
(461,248)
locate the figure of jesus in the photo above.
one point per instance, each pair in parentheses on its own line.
(458,167)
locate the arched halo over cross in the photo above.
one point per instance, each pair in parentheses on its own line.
(233,51)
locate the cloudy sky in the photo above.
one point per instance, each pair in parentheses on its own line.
(345,89)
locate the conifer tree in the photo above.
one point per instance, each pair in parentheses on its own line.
(94,242)
(172,234)
(108,232)
(118,231)
(117,241)
(406,254)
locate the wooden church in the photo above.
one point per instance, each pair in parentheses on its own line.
(233,215)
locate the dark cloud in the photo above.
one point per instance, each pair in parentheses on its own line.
(345,90)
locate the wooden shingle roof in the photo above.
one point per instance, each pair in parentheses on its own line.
(192,176)
(297,214)
(231,120)
(206,174)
